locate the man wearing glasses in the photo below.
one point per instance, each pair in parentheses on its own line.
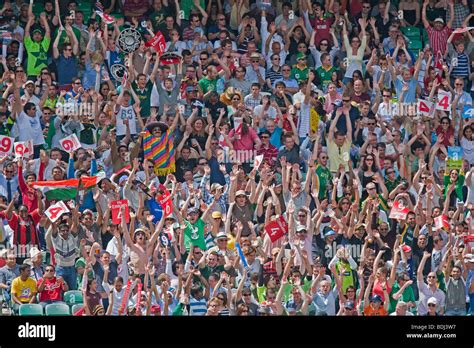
(66,62)
(429,289)
(8,181)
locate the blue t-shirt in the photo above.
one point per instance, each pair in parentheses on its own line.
(67,69)
(410,96)
(155,209)
(216,174)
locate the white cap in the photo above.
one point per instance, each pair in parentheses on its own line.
(34,251)
(432,300)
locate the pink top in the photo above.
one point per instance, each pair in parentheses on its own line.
(328,105)
(246,141)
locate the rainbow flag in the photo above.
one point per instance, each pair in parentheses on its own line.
(161,152)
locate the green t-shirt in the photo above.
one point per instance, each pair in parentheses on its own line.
(5,128)
(207,85)
(88,134)
(194,234)
(325,177)
(207,271)
(457,188)
(288,287)
(64,38)
(347,275)
(37,55)
(187,5)
(299,74)
(145,97)
(407,296)
(325,75)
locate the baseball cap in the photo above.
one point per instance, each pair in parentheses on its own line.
(123,178)
(406,249)
(216,215)
(190,89)
(349,305)
(441,20)
(240,193)
(193,210)
(329,233)
(300,228)
(376,298)
(432,300)
(221,235)
(29,82)
(300,56)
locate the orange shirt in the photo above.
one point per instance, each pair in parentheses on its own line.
(372,312)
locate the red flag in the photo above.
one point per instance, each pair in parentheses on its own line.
(277,228)
(116,208)
(157,42)
(442,222)
(165,202)
(399,211)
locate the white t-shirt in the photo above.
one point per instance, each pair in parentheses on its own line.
(122,114)
(30,128)
(468,149)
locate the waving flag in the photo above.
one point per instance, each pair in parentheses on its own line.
(64,190)
(100,11)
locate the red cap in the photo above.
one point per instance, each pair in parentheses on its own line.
(406,249)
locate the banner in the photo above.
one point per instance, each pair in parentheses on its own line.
(70,143)
(257,161)
(277,228)
(468,111)
(116,208)
(398,211)
(6,145)
(444,101)
(166,203)
(158,43)
(160,151)
(170,58)
(55,211)
(24,148)
(425,108)
(454,158)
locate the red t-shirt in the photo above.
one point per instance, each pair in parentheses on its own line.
(25,230)
(322,26)
(53,290)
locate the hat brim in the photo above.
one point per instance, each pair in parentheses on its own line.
(163,126)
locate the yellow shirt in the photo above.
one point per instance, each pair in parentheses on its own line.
(336,155)
(24,290)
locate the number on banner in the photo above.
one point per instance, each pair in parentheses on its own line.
(55,211)
(23,148)
(400,15)
(6,145)
(291,14)
(181,14)
(425,107)
(70,143)
(454,62)
(444,101)
(468,111)
(346,61)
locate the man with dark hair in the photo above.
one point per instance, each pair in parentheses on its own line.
(64,239)
(23,289)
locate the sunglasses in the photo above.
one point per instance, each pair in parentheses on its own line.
(431,305)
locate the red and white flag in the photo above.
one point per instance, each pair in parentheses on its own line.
(277,228)
(399,211)
(157,42)
(442,222)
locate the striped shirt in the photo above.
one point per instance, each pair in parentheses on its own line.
(273,75)
(197,307)
(462,67)
(438,39)
(66,250)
